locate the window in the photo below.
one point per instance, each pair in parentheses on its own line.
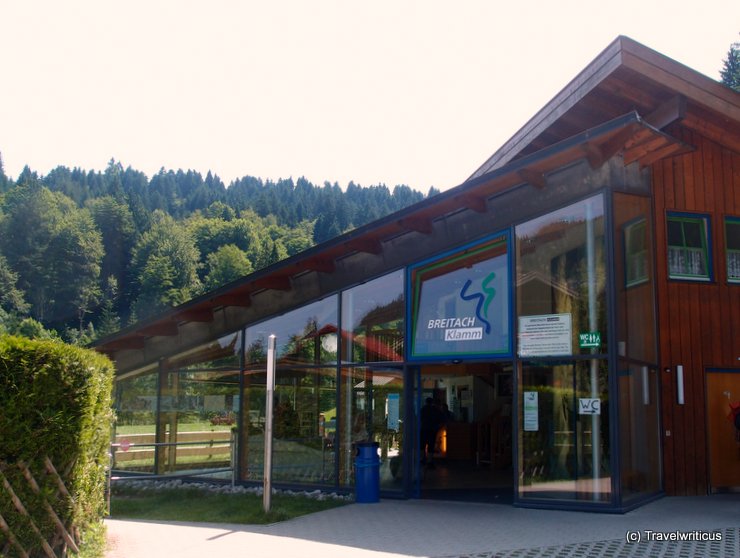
(635,257)
(561,281)
(688,253)
(732,243)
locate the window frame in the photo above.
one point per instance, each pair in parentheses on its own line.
(706,248)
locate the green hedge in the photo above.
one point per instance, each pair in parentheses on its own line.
(55,402)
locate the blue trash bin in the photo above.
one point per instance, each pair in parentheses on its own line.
(367,473)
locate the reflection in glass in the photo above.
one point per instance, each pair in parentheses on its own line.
(304,425)
(198,409)
(136,423)
(189,428)
(639,432)
(307,335)
(636,331)
(561,269)
(372,410)
(564,440)
(372,320)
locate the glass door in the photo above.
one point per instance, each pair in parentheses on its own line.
(564,432)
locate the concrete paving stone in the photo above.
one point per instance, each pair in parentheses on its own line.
(426,528)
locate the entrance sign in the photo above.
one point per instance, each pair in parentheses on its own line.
(546,335)
(589,406)
(531,411)
(461,302)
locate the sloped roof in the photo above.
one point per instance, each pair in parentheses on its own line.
(628,76)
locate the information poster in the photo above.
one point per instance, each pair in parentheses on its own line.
(531,411)
(393,403)
(546,335)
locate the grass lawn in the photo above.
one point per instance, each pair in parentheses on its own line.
(193,504)
(202,426)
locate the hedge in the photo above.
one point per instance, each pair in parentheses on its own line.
(55,403)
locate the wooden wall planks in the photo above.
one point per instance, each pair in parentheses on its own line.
(699,323)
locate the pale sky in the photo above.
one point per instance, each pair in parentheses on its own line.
(394,92)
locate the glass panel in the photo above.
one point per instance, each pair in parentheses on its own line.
(564,435)
(198,409)
(561,281)
(637,338)
(252,441)
(732,239)
(675,233)
(197,413)
(373,320)
(461,303)
(732,234)
(639,422)
(636,251)
(136,423)
(692,231)
(304,426)
(372,410)
(306,335)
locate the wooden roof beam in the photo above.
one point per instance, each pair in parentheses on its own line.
(196,315)
(533,177)
(321,265)
(368,245)
(166,328)
(127,343)
(242,300)
(421,225)
(616,143)
(668,112)
(669,150)
(594,154)
(475,203)
(276,283)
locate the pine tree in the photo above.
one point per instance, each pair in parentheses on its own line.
(730,72)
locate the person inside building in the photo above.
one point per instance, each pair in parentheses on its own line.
(431,420)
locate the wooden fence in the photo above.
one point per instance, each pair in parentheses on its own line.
(64,537)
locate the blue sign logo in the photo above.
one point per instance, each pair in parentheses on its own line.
(484,300)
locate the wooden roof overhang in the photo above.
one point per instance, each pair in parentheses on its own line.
(628,135)
(628,76)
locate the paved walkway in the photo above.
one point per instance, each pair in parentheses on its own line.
(425,528)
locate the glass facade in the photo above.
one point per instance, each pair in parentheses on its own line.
(136,403)
(373,320)
(372,411)
(178,419)
(564,443)
(534,303)
(638,389)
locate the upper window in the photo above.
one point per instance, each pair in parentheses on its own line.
(732,242)
(635,257)
(688,247)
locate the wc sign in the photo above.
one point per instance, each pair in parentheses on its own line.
(587,406)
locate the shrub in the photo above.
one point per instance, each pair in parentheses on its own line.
(55,403)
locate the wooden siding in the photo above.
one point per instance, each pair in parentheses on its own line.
(699,323)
